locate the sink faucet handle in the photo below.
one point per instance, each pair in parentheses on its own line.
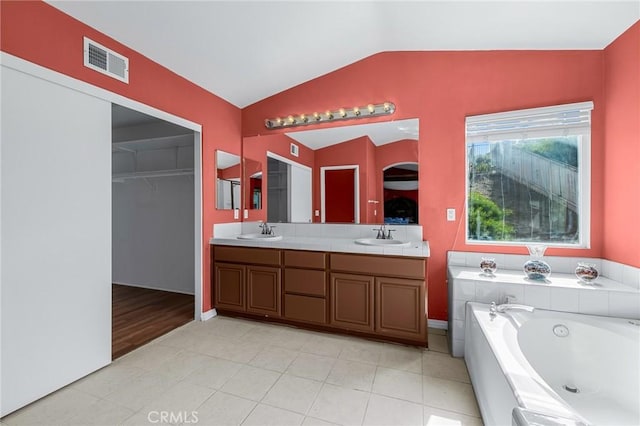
(380,235)
(389,237)
(270,231)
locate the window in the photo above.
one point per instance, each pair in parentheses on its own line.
(528,176)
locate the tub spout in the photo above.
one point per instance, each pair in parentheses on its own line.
(514,307)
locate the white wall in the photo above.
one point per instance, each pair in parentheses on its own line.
(56,237)
(153,222)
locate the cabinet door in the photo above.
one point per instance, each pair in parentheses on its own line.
(352,301)
(400,308)
(229,287)
(263,290)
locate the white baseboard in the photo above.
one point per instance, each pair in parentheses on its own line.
(434,323)
(208,315)
(172,290)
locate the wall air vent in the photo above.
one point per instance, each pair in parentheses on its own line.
(101,59)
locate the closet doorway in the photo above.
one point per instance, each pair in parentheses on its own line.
(153,238)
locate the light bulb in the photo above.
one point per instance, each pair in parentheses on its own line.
(329,115)
(279,121)
(371,108)
(387,107)
(342,112)
(356,111)
(303,118)
(291,119)
(317,116)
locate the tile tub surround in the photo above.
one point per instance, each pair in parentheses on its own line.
(614,293)
(234,371)
(323,237)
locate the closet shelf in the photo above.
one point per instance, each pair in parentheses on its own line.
(119,177)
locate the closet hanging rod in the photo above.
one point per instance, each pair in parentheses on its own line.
(152,174)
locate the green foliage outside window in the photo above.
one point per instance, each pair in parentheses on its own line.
(487,219)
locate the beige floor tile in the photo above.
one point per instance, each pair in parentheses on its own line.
(141,391)
(214,373)
(401,358)
(398,384)
(445,367)
(251,382)
(100,414)
(103,382)
(311,366)
(437,417)
(293,393)
(362,351)
(264,334)
(449,395)
(352,375)
(438,331)
(339,405)
(228,327)
(385,411)
(224,409)
(323,345)
(183,364)
(57,408)
(182,397)
(265,415)
(149,357)
(312,421)
(438,343)
(274,358)
(238,350)
(291,338)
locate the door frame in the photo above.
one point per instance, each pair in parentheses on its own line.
(356,190)
(18,64)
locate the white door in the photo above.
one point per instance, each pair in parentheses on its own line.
(301,194)
(55,192)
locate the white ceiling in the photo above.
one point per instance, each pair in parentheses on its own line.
(244,51)
(380,133)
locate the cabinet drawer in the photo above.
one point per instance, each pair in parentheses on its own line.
(305,281)
(379,265)
(305,259)
(304,308)
(255,256)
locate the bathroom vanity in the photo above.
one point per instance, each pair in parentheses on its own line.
(379,295)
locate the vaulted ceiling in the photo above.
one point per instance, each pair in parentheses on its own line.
(244,51)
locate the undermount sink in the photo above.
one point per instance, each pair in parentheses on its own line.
(380,242)
(263,237)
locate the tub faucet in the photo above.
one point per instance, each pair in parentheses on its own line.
(513,306)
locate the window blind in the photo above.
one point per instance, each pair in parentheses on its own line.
(559,120)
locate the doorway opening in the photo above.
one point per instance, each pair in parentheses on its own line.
(401,193)
(289,190)
(340,194)
(153,222)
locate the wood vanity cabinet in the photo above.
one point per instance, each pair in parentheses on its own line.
(305,286)
(247,280)
(389,300)
(368,295)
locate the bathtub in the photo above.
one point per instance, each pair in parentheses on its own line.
(577,369)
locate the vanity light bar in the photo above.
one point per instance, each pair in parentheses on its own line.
(371,110)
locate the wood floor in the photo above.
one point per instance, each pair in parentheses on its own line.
(140,315)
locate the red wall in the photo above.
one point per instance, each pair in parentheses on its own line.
(39,33)
(622,154)
(441,88)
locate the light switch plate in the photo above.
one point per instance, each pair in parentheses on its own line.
(451,215)
(246,213)
(317,212)
(236,214)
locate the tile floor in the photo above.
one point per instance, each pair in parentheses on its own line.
(229,371)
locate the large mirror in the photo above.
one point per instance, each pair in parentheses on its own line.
(362,173)
(228,187)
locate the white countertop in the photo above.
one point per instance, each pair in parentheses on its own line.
(339,245)
(554,280)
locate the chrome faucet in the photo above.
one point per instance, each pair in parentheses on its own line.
(381,233)
(504,307)
(266,229)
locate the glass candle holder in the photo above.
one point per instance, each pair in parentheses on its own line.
(586,272)
(488,265)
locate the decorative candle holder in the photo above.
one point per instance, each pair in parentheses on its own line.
(586,272)
(488,265)
(536,269)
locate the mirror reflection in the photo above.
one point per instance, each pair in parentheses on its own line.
(365,173)
(228,193)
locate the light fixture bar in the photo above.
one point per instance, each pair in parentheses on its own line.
(370,110)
